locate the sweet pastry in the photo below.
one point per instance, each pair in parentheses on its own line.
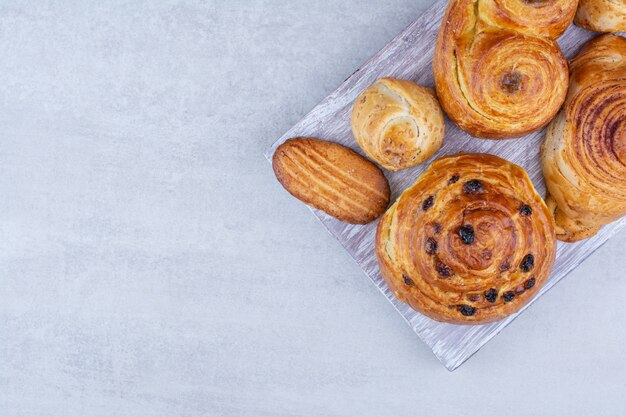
(398,123)
(602,15)
(470,242)
(584,154)
(498,69)
(332,178)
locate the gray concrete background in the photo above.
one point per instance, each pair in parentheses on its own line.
(150,265)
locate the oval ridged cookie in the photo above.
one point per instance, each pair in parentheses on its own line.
(332,178)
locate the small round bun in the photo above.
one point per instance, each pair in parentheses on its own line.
(602,15)
(397,123)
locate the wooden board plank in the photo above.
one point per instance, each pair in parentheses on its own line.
(409,56)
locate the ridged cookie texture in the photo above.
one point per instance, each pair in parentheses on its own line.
(332,178)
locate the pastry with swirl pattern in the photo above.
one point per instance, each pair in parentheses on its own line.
(499,72)
(584,154)
(602,15)
(470,242)
(398,123)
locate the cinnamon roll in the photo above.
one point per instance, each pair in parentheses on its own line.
(470,242)
(398,123)
(602,15)
(499,72)
(584,154)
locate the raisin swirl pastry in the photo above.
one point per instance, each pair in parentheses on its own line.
(602,15)
(470,242)
(584,154)
(499,72)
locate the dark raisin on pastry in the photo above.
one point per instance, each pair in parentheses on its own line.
(526,210)
(443,269)
(491,295)
(428,203)
(431,246)
(407,280)
(466,233)
(527,263)
(466,310)
(508,296)
(473,187)
(530,283)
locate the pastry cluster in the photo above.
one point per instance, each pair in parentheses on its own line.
(472,241)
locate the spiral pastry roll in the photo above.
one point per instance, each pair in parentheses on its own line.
(470,242)
(398,123)
(602,15)
(499,72)
(584,154)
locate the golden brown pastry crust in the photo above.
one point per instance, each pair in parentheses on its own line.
(332,178)
(490,275)
(584,154)
(499,72)
(398,123)
(602,15)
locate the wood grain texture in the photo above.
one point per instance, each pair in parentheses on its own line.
(409,56)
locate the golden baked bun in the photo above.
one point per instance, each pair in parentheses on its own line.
(332,178)
(398,123)
(602,15)
(498,69)
(584,154)
(470,242)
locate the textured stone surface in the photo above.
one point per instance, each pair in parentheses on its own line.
(151,265)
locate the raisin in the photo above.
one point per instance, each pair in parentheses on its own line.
(525,210)
(407,280)
(437,228)
(505,266)
(428,203)
(443,269)
(431,246)
(466,310)
(466,233)
(511,82)
(473,187)
(491,295)
(508,296)
(527,263)
(530,283)
(453,179)
(473,297)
